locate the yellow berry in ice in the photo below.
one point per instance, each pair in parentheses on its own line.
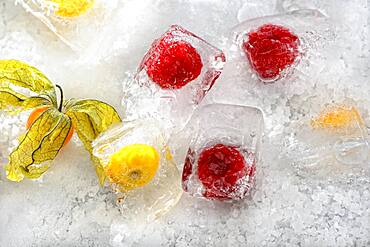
(133,166)
(72,8)
(337,117)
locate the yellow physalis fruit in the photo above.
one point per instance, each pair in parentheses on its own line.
(337,117)
(133,166)
(72,8)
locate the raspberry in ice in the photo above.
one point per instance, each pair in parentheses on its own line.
(172,64)
(223,152)
(220,167)
(270,50)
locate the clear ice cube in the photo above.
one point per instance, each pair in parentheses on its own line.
(295,52)
(236,131)
(171,93)
(162,192)
(75,22)
(334,141)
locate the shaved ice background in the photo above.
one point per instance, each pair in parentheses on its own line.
(288,208)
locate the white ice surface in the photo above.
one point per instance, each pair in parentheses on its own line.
(67,207)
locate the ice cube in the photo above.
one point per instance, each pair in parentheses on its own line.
(290,45)
(352,151)
(75,22)
(223,152)
(140,168)
(328,144)
(173,77)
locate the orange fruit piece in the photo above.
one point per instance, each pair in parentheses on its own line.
(338,117)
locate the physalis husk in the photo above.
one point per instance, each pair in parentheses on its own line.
(23,87)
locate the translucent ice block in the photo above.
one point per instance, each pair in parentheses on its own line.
(223,152)
(76,22)
(290,45)
(145,199)
(333,141)
(173,77)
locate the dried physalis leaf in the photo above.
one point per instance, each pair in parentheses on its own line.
(23,87)
(91,118)
(41,143)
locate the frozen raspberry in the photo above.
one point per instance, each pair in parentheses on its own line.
(271,49)
(220,167)
(173,63)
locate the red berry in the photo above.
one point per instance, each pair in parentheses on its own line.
(271,49)
(220,167)
(173,63)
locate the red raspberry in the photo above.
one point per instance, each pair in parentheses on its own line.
(173,63)
(271,49)
(219,169)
